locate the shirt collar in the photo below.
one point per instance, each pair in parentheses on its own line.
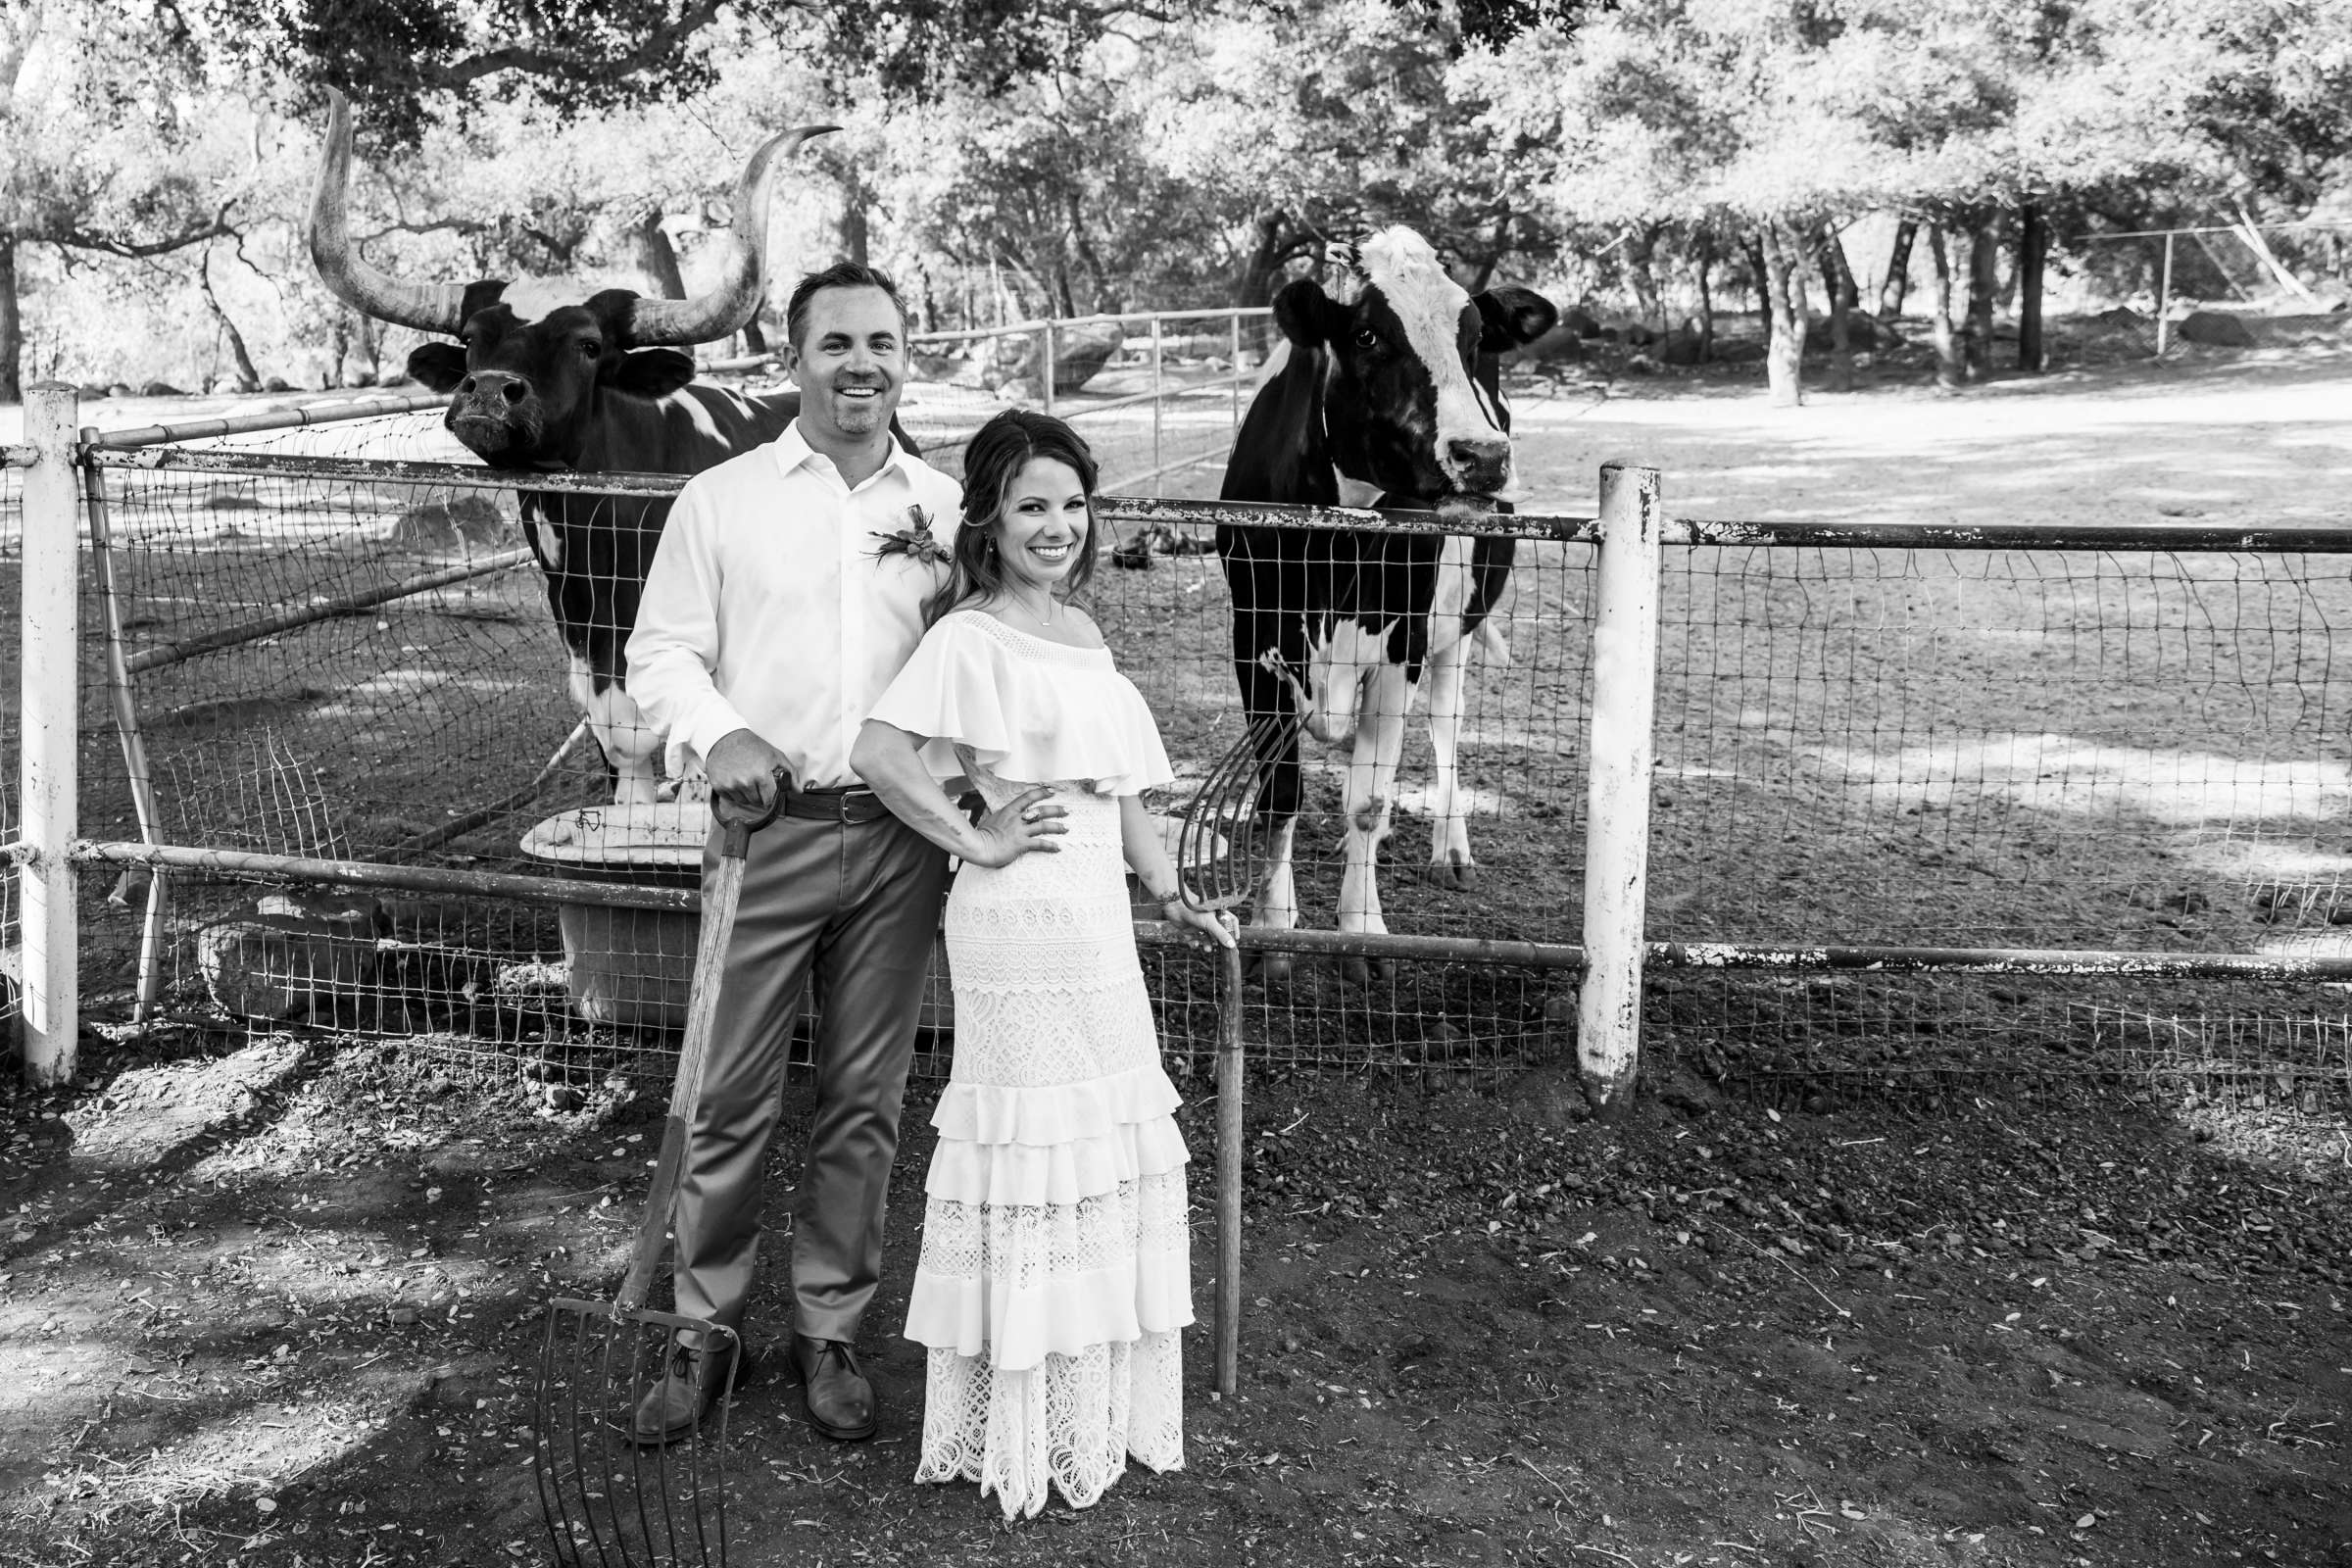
(793,451)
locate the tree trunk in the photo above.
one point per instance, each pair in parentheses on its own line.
(1984,277)
(1837,281)
(1947,351)
(249,379)
(1707,299)
(371,346)
(1759,277)
(652,254)
(12,333)
(1785,289)
(857,224)
(2032,248)
(338,344)
(1897,281)
(1642,271)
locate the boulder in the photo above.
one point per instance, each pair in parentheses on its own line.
(284,966)
(1562,345)
(161,389)
(1007,365)
(1682,346)
(277,384)
(2217,330)
(121,389)
(2120,316)
(457,525)
(94,391)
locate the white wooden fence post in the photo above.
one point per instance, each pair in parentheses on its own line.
(51,647)
(1625,668)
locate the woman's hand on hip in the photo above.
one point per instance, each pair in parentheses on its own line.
(1022,825)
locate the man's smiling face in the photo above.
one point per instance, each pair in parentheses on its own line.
(850,364)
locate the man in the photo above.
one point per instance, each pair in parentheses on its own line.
(768,628)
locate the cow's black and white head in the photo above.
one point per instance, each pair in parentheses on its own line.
(1410,400)
(524,373)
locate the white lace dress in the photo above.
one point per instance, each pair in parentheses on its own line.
(1056,1273)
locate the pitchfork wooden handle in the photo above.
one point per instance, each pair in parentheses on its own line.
(702,1010)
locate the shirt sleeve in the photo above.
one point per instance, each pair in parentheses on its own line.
(674,647)
(951,690)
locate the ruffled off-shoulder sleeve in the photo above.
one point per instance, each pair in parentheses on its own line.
(1029,712)
(955,688)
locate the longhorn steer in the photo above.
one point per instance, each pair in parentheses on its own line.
(1389,396)
(545,380)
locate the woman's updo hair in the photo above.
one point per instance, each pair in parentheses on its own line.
(993,459)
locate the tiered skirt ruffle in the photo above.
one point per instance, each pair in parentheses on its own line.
(1055,1272)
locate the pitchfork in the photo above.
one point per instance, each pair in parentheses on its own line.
(1221,838)
(585,1453)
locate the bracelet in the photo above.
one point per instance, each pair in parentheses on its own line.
(1172,896)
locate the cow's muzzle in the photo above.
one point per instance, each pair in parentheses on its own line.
(491,411)
(1479,464)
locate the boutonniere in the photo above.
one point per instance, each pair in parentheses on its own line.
(912,540)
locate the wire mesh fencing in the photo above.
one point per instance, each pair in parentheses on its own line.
(2125,748)
(352,655)
(2132,750)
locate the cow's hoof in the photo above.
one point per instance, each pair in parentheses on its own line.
(1270,968)
(1460,875)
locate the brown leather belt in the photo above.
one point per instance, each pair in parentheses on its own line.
(848,804)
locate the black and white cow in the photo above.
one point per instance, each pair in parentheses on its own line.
(1389,396)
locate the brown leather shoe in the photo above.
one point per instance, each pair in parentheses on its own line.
(690,1386)
(841,1401)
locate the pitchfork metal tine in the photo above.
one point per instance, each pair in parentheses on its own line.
(1229,803)
(639,1387)
(552,1502)
(608,1475)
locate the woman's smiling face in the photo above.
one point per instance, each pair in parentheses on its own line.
(1041,529)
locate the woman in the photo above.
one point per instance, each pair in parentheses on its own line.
(1056,1270)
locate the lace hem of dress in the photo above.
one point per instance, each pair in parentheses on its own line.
(1068,1425)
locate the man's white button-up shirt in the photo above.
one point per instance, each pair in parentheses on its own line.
(766,606)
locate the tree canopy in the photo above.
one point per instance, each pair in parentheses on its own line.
(1100,153)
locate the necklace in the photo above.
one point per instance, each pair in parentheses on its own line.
(1044,617)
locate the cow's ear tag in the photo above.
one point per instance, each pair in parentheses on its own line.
(652,373)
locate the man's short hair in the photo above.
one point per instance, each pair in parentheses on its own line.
(841,275)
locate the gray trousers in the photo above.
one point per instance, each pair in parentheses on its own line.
(858,903)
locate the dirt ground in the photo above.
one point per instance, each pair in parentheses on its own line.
(273,1306)
(271,1300)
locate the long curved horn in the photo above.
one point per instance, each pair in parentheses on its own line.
(426,306)
(743,275)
